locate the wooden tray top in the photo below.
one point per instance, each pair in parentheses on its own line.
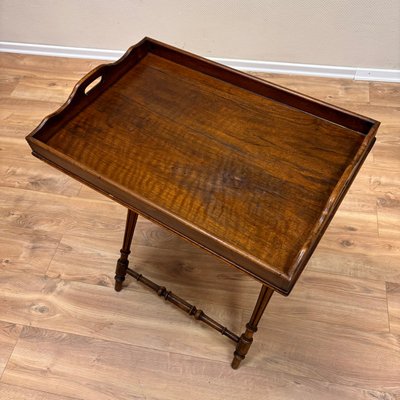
(245,169)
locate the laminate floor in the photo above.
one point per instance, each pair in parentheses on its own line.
(66,334)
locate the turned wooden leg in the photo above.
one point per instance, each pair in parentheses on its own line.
(246,339)
(123,262)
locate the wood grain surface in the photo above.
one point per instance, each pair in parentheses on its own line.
(66,335)
(12,392)
(246,170)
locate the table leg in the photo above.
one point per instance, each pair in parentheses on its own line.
(123,262)
(246,339)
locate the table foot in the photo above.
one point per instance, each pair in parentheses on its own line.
(123,262)
(246,339)
(120,271)
(243,346)
(117,286)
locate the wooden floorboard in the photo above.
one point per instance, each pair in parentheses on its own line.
(12,392)
(9,334)
(393,300)
(65,334)
(101,369)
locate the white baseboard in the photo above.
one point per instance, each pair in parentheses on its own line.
(329,71)
(60,51)
(382,75)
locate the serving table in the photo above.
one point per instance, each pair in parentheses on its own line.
(245,169)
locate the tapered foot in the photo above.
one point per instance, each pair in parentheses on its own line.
(120,272)
(118,283)
(118,286)
(246,339)
(236,362)
(243,346)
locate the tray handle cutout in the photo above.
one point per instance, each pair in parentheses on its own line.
(92,85)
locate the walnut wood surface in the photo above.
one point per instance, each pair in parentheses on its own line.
(238,166)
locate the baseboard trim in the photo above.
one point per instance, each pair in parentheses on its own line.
(60,51)
(328,71)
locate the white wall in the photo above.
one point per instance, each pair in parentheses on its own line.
(357,33)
